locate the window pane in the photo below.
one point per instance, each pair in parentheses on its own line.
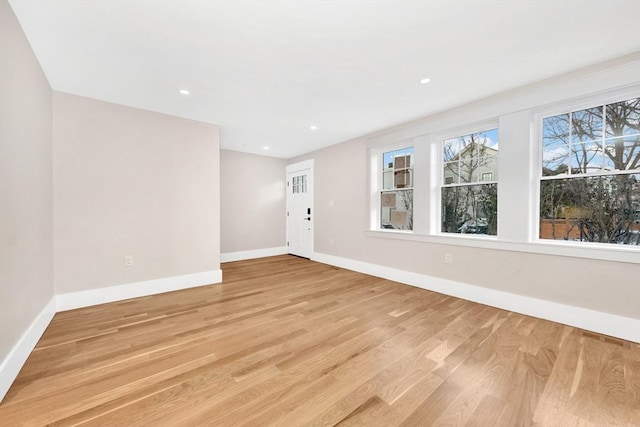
(602,209)
(387,180)
(555,131)
(396,210)
(488,142)
(622,153)
(403,178)
(555,145)
(586,158)
(451,173)
(623,118)
(555,159)
(586,125)
(452,148)
(488,167)
(470,209)
(469,170)
(387,161)
(402,161)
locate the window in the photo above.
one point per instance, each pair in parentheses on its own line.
(299,184)
(469,194)
(590,175)
(487,176)
(396,195)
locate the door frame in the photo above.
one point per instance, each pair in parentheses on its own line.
(296,167)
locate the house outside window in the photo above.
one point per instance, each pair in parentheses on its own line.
(469,191)
(396,194)
(487,176)
(590,175)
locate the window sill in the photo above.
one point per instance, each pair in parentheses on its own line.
(619,253)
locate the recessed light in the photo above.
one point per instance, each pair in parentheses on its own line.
(265,148)
(184,91)
(313,127)
(425,81)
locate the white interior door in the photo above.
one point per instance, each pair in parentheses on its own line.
(300,208)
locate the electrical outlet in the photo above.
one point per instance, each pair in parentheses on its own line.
(128,260)
(331,242)
(448,258)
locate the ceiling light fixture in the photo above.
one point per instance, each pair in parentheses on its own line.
(425,81)
(184,92)
(265,148)
(313,127)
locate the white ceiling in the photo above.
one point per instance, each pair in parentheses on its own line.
(265,71)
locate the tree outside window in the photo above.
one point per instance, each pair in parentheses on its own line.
(469,194)
(590,184)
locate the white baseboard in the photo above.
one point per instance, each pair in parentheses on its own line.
(596,321)
(72,300)
(18,355)
(15,359)
(256,253)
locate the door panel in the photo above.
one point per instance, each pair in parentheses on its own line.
(300,212)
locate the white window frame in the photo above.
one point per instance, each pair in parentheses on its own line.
(569,106)
(376,181)
(426,140)
(438,164)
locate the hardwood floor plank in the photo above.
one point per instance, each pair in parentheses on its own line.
(553,403)
(487,412)
(287,341)
(632,385)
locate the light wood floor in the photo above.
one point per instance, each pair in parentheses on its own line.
(286,341)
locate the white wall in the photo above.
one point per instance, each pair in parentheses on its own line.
(83,183)
(343,209)
(131,182)
(26,191)
(252,202)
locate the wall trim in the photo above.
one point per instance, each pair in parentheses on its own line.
(596,321)
(601,251)
(73,300)
(18,355)
(255,253)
